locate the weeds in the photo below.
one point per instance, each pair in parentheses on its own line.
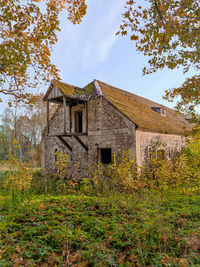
(115,217)
(113,231)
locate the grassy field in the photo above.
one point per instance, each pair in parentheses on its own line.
(151,229)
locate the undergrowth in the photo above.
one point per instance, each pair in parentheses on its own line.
(152,230)
(116,216)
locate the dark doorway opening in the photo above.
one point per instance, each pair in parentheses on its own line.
(106,155)
(78,122)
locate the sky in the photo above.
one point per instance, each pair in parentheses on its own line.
(91,50)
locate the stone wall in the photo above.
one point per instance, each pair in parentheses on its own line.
(149,143)
(107,128)
(78,158)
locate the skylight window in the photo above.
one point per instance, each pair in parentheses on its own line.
(159,110)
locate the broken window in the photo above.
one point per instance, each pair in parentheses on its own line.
(78,122)
(106,155)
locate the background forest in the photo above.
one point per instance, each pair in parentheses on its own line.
(23,123)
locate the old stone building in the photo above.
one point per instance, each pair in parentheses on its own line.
(98,121)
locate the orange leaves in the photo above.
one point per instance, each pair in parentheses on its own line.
(134,37)
(183,263)
(28,34)
(41,206)
(76,10)
(167,32)
(18,249)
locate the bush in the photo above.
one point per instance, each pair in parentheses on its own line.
(122,176)
(119,177)
(17,179)
(178,173)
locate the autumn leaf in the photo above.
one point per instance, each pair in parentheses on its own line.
(168,33)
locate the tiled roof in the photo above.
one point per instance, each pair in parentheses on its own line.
(136,108)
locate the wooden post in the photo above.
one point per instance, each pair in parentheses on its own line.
(64,113)
(47,117)
(70,117)
(86,117)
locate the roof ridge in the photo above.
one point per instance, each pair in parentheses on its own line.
(57,81)
(97,87)
(141,97)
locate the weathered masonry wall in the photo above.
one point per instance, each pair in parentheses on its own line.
(107,128)
(56,124)
(78,157)
(148,142)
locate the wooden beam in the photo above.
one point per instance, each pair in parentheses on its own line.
(64,113)
(68,134)
(81,142)
(86,103)
(64,142)
(47,117)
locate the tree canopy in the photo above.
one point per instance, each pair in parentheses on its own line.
(168,31)
(28,30)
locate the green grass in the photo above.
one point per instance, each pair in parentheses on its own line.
(148,230)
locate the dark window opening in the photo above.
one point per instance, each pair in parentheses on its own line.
(78,122)
(106,157)
(56,154)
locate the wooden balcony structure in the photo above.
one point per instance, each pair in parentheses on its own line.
(62,97)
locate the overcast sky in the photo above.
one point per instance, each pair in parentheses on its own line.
(91,51)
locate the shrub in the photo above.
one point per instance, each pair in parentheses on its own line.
(61,163)
(181,173)
(178,173)
(19,175)
(118,177)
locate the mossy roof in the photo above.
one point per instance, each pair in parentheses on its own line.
(65,88)
(74,91)
(136,108)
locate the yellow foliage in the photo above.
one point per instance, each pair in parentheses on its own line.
(19,175)
(61,163)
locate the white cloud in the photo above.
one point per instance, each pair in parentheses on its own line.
(88,44)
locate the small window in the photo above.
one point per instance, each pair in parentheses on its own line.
(162,112)
(78,122)
(106,157)
(159,110)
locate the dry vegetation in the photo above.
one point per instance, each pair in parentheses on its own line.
(115,217)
